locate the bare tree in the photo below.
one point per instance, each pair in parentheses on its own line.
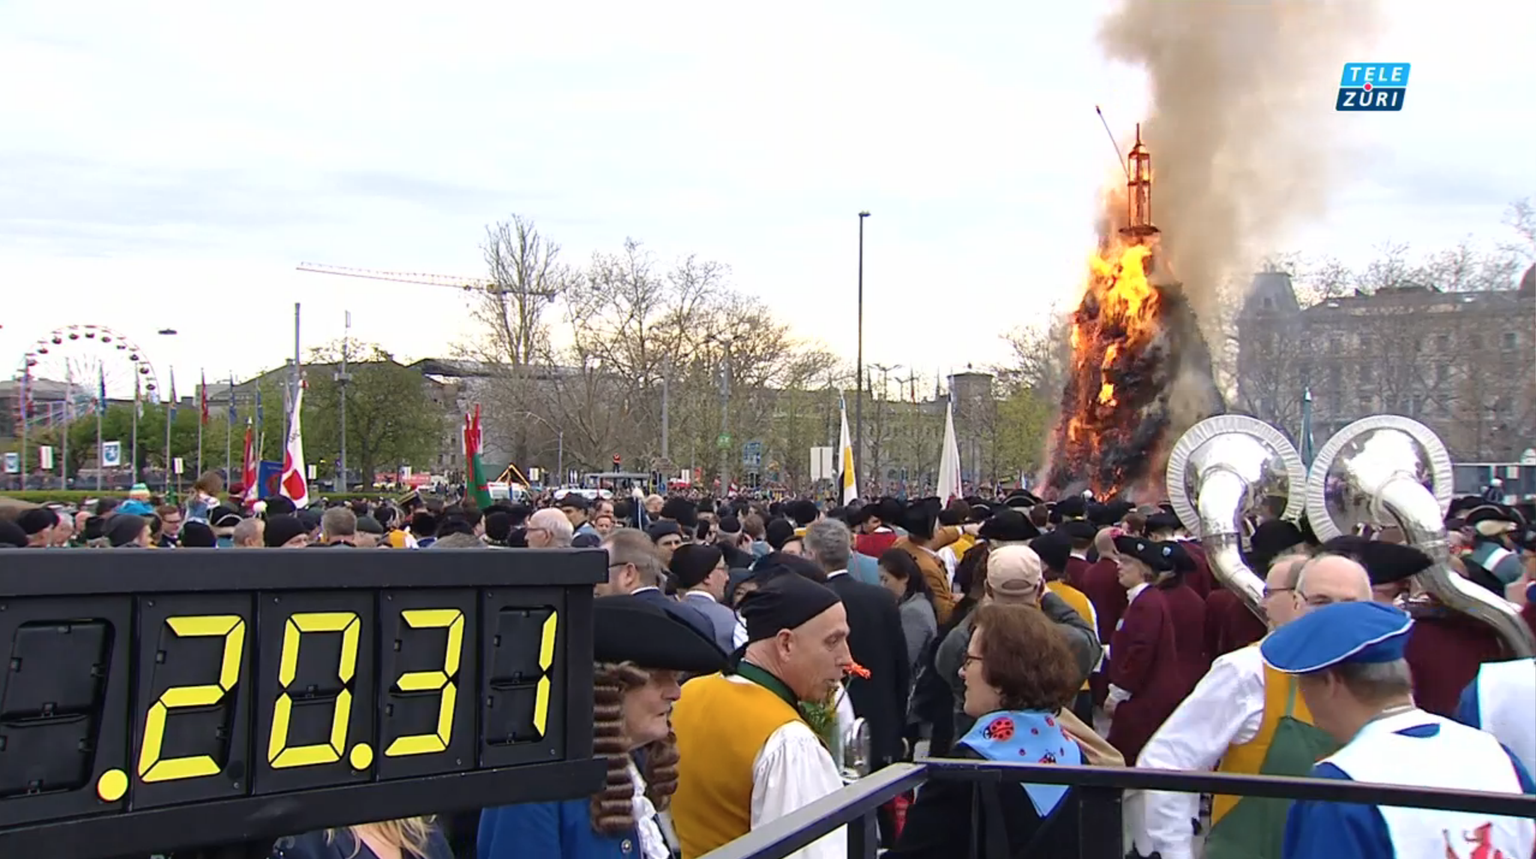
(513,331)
(1521,217)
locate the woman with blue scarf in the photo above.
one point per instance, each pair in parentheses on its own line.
(1019,673)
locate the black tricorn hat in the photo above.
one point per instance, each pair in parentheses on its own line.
(629,629)
(1385,563)
(1072,507)
(1008,525)
(1158,556)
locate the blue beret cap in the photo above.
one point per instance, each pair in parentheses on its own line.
(1337,634)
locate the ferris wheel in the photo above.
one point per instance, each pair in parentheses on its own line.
(84,357)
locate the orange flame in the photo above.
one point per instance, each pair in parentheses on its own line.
(1115,323)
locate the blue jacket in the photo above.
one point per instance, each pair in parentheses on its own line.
(549,830)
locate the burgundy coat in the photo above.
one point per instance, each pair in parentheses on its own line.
(1101,584)
(1199,579)
(1229,625)
(1187,610)
(1445,650)
(1076,567)
(1144,662)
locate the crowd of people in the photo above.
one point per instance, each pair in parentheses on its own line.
(738,641)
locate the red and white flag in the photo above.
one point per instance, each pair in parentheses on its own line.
(294,486)
(248,465)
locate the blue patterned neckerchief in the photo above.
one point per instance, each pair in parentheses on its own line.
(1026,737)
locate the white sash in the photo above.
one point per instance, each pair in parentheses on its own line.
(1506,706)
(1456,758)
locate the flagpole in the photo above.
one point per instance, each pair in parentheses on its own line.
(229,428)
(133,449)
(202,418)
(26,393)
(64,462)
(170,418)
(101,406)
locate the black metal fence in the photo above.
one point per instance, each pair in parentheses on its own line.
(1098,789)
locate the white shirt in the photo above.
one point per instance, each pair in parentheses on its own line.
(792,770)
(1225,709)
(653,845)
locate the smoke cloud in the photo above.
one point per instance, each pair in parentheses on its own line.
(1244,139)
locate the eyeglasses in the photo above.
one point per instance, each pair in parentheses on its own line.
(969,658)
(1317,601)
(1269,591)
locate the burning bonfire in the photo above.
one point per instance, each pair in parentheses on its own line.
(1139,364)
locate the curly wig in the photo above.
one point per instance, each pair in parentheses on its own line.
(613,807)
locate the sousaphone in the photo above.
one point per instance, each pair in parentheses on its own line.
(1388,470)
(1219,474)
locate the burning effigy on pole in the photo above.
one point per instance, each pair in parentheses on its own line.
(1140,370)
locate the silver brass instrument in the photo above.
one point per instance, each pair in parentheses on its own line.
(1218,474)
(1391,470)
(854,757)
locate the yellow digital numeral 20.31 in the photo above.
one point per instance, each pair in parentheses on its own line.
(441,681)
(152,768)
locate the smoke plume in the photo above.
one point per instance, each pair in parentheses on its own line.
(1245,141)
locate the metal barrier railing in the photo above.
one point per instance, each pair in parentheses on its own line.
(1098,790)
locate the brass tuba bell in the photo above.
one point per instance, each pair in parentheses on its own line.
(1390,470)
(1220,473)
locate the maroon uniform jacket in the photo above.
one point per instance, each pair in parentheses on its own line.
(1100,584)
(1187,610)
(1529,613)
(1229,625)
(1199,579)
(1144,662)
(874,545)
(1076,568)
(1445,650)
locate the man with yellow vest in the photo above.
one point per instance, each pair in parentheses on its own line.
(1248,718)
(748,755)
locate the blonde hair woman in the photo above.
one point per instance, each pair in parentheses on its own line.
(407,838)
(641,651)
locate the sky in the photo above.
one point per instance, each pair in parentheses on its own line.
(168,165)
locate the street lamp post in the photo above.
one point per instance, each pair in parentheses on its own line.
(858,402)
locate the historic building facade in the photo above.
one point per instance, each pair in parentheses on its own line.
(1462,363)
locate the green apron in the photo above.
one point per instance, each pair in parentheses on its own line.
(1254,828)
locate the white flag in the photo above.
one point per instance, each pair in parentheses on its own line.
(294,485)
(949,461)
(849,475)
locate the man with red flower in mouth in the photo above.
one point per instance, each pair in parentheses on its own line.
(748,754)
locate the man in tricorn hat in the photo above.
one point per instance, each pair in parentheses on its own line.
(1492,550)
(640,653)
(749,754)
(1446,646)
(1348,661)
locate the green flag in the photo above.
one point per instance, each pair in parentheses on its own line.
(474,470)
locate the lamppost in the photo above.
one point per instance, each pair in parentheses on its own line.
(858,402)
(169,410)
(559,444)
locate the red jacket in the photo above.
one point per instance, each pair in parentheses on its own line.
(874,545)
(1187,610)
(1144,662)
(1445,649)
(1229,625)
(1200,579)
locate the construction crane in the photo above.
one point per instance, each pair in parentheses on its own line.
(467,284)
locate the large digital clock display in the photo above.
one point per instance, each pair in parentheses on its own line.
(156,700)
